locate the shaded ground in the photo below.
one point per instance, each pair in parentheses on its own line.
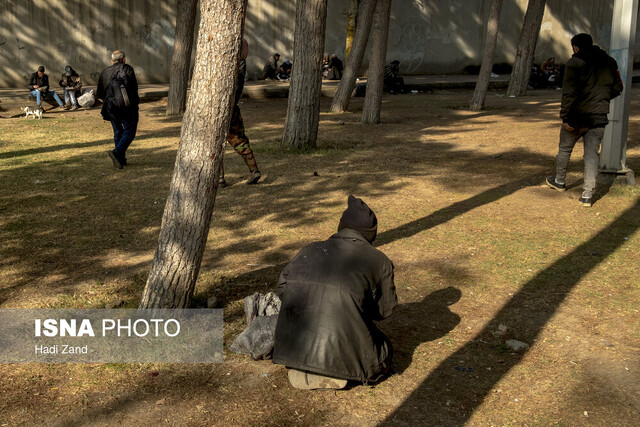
(476,237)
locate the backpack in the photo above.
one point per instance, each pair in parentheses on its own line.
(118,90)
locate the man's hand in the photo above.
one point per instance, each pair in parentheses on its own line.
(568,127)
(36,86)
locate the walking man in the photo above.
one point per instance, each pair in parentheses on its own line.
(237,137)
(591,81)
(118,88)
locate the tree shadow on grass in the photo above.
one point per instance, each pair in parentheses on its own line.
(449,397)
(419,322)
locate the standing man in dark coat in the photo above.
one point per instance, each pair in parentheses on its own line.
(118,88)
(332,292)
(591,81)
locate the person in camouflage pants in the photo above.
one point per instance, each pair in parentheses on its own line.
(237,138)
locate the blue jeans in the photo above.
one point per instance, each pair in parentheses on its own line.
(70,95)
(592,139)
(39,95)
(124,131)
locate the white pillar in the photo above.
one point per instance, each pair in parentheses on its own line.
(623,34)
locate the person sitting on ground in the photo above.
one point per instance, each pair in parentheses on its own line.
(551,72)
(271,67)
(39,87)
(71,83)
(335,68)
(325,66)
(392,82)
(284,72)
(332,292)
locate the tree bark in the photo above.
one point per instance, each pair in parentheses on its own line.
(303,111)
(342,97)
(375,77)
(187,213)
(480,94)
(181,59)
(352,20)
(526,48)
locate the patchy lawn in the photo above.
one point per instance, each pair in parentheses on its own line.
(477,239)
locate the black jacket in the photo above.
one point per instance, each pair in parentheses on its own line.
(331,293)
(591,81)
(42,82)
(101,92)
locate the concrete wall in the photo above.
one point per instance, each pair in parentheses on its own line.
(427,36)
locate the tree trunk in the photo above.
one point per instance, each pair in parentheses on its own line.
(343,95)
(187,213)
(526,48)
(375,77)
(181,59)
(479,95)
(352,19)
(303,111)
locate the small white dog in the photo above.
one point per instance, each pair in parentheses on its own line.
(33,112)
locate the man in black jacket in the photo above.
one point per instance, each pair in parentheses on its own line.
(118,88)
(332,292)
(590,82)
(39,87)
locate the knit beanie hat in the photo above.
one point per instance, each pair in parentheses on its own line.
(360,217)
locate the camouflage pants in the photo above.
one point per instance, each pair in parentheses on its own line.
(239,141)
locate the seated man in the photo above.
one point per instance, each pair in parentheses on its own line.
(325,66)
(335,68)
(39,87)
(331,293)
(392,82)
(284,72)
(271,67)
(71,84)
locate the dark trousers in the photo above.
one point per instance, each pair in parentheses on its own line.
(124,131)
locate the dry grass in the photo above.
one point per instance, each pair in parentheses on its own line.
(476,238)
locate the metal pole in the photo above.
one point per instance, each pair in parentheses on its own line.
(623,34)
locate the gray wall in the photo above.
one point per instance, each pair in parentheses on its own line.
(427,36)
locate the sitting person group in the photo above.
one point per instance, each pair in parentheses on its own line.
(271,71)
(70,82)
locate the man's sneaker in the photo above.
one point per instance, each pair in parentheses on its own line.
(254,177)
(308,381)
(222,183)
(551,182)
(114,159)
(585,201)
(66,106)
(75,107)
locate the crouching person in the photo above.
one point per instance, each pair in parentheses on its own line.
(332,292)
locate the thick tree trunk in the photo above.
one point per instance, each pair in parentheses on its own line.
(480,94)
(181,59)
(187,214)
(352,19)
(303,112)
(375,77)
(343,95)
(526,48)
